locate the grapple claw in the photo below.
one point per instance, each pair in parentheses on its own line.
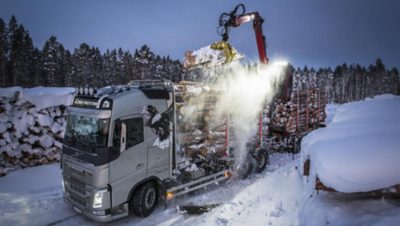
(216,54)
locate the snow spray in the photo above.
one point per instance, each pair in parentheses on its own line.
(245,91)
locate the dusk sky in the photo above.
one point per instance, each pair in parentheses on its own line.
(307,32)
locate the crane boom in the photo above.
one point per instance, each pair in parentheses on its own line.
(233,19)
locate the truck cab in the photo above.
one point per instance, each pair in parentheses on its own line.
(111,150)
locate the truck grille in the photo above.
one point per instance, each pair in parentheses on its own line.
(77,199)
(77,172)
(77,188)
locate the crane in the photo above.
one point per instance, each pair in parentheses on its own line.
(238,16)
(233,19)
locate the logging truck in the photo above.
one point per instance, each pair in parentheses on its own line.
(128,148)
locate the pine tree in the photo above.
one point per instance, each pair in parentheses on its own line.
(67,68)
(143,59)
(128,67)
(83,65)
(107,68)
(97,67)
(29,63)
(16,63)
(380,67)
(53,53)
(39,79)
(120,67)
(114,68)
(3,52)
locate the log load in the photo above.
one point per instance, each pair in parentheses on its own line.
(287,122)
(199,130)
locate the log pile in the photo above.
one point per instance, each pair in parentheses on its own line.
(289,120)
(199,130)
(29,136)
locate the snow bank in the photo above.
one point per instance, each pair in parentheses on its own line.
(32,123)
(41,97)
(359,150)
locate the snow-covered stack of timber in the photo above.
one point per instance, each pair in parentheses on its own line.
(199,129)
(291,118)
(32,124)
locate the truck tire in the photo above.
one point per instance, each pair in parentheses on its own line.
(144,200)
(261,159)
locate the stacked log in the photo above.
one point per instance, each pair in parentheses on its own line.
(29,136)
(303,112)
(199,130)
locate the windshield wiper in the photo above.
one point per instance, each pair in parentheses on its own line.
(80,152)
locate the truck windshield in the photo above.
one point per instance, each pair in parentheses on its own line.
(84,131)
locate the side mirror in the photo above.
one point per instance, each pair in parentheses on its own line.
(123,137)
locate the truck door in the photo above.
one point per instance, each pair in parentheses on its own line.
(158,155)
(131,166)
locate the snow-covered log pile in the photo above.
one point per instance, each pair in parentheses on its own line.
(32,123)
(303,112)
(304,81)
(198,130)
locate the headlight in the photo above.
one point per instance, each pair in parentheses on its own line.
(106,104)
(98,198)
(63,185)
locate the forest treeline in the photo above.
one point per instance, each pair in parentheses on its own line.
(23,64)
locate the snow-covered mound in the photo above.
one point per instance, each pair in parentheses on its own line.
(32,123)
(359,150)
(41,97)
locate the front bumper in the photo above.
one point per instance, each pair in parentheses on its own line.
(100,215)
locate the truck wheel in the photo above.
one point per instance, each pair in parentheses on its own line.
(262,160)
(144,200)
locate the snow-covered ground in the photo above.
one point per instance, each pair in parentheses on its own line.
(275,197)
(278,196)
